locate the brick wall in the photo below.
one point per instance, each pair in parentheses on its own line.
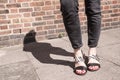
(20,18)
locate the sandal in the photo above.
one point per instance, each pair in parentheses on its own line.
(93,64)
(77,60)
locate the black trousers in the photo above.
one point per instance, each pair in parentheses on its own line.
(69,9)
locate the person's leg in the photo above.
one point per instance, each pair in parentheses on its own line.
(93,12)
(69,10)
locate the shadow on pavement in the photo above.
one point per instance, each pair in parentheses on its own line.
(41,51)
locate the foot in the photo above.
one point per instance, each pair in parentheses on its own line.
(93,63)
(80,66)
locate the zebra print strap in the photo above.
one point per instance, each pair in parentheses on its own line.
(79,59)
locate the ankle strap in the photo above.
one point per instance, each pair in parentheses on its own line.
(78,59)
(94,57)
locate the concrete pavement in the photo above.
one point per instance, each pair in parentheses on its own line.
(52,59)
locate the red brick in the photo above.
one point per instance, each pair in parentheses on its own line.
(23,20)
(25,4)
(27,14)
(15,20)
(14,16)
(48,3)
(25,30)
(106,7)
(38,18)
(48,8)
(38,13)
(14,10)
(13,26)
(27,24)
(39,28)
(23,0)
(5,32)
(50,22)
(2,6)
(4,11)
(37,4)
(3,1)
(50,27)
(16,30)
(12,1)
(37,8)
(3,27)
(58,16)
(13,5)
(48,17)
(60,26)
(2,16)
(4,21)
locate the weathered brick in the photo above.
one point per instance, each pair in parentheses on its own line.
(38,23)
(48,8)
(14,16)
(15,10)
(50,27)
(41,33)
(60,26)
(2,6)
(2,16)
(25,10)
(16,30)
(25,30)
(37,8)
(52,36)
(3,1)
(13,5)
(12,1)
(15,21)
(50,22)
(51,31)
(4,11)
(27,14)
(27,24)
(4,21)
(57,12)
(39,28)
(37,4)
(58,21)
(3,27)
(60,30)
(6,32)
(115,14)
(23,20)
(17,36)
(13,26)
(2,38)
(23,0)
(5,43)
(48,17)
(48,2)
(115,23)
(107,20)
(25,4)
(38,13)
(38,18)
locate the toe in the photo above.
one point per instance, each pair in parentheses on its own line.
(90,67)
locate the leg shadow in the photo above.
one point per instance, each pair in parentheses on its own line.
(41,51)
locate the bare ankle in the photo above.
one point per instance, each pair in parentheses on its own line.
(78,52)
(92,51)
